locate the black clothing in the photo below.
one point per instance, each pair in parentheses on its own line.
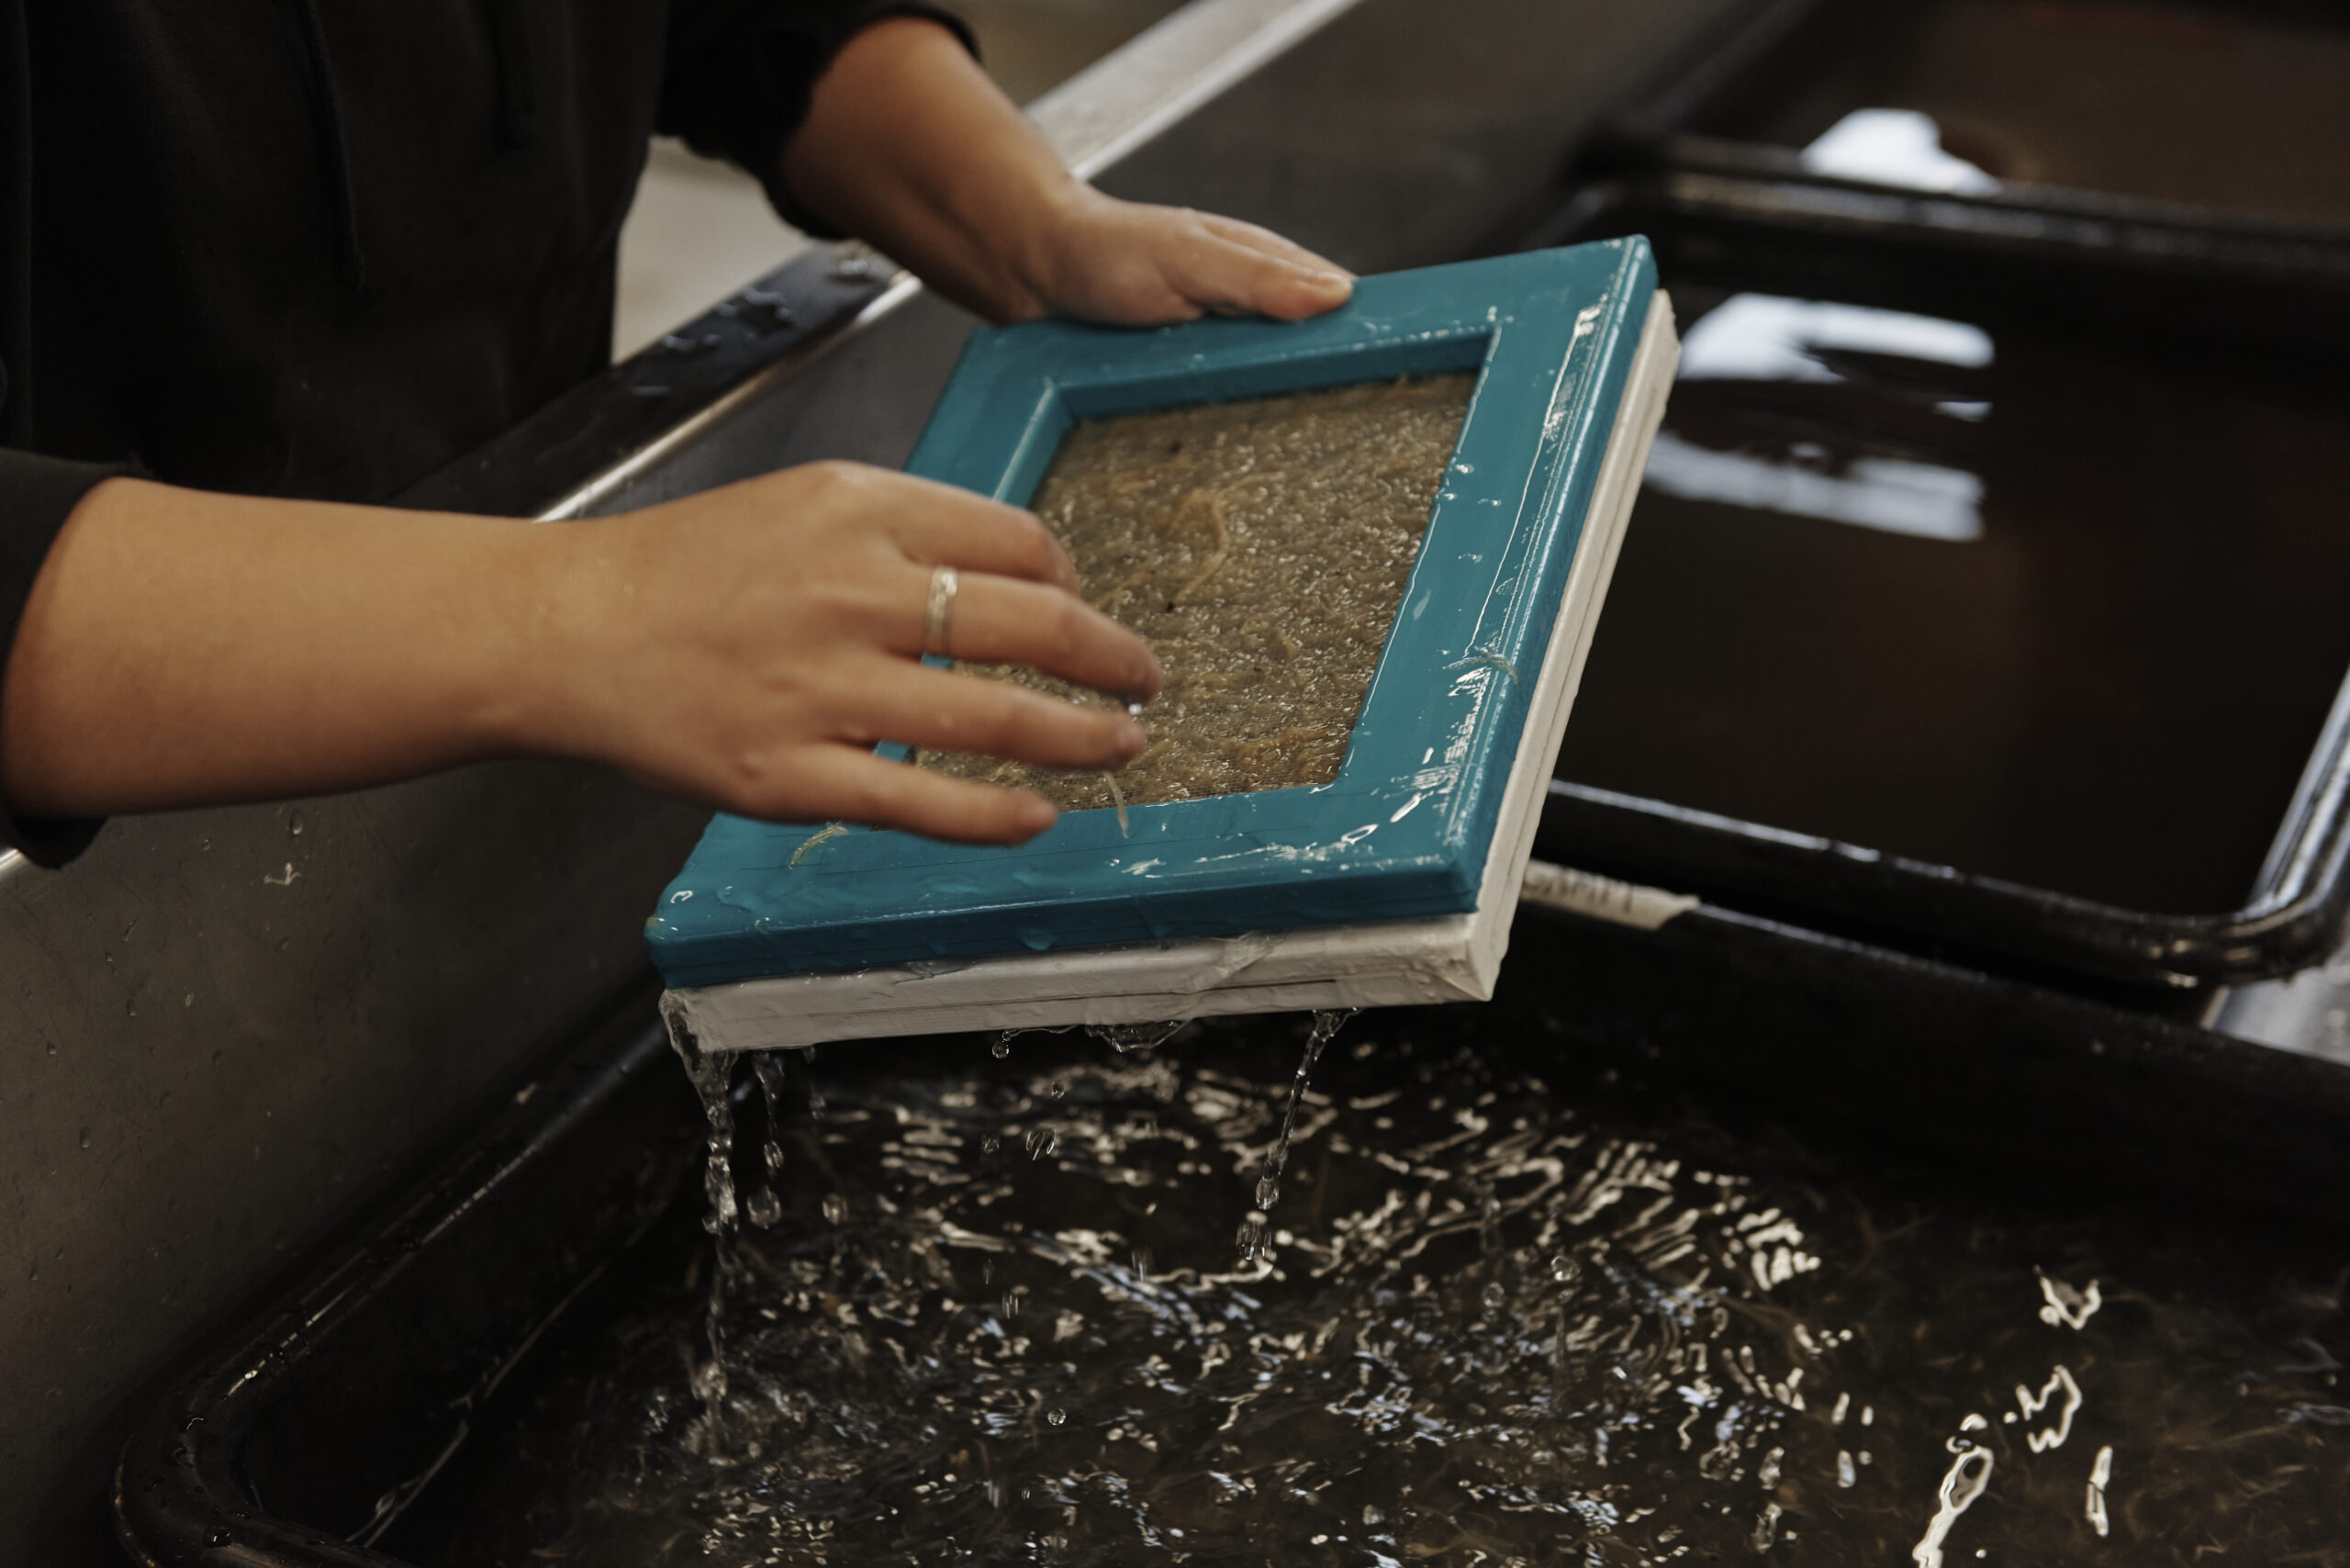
(320,248)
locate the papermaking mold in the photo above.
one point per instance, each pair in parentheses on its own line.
(1484,640)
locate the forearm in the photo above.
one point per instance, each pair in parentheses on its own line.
(909,144)
(182,648)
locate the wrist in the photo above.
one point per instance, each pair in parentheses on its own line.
(531,687)
(1044,228)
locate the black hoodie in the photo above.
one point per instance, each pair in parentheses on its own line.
(320,248)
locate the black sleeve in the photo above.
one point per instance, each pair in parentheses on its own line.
(740,71)
(37,495)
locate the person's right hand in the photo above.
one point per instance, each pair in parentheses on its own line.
(748,646)
(743,648)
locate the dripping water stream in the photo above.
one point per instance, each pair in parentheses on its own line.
(1254,1229)
(765,1206)
(730,1201)
(712,1078)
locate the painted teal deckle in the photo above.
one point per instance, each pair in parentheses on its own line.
(1405,829)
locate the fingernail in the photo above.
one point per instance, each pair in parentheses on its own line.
(1036,814)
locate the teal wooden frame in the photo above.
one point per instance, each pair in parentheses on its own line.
(1403,831)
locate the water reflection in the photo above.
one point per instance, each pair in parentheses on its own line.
(1894,146)
(1765,339)
(1893,494)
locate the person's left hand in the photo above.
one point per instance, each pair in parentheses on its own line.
(1130,264)
(908,144)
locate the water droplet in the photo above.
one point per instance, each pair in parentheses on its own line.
(85,1137)
(1142,1261)
(1250,1238)
(1125,1037)
(763,1208)
(221,1537)
(1565,1269)
(1042,1141)
(1055,1089)
(836,1208)
(807,1054)
(1371,1514)
(1000,1047)
(1269,1192)
(1054,1417)
(1012,1299)
(1493,1296)
(771,1086)
(990,1144)
(294,823)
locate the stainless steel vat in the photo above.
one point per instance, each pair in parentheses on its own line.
(231,1029)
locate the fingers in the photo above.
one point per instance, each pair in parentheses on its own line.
(939,525)
(940,711)
(838,784)
(1137,264)
(1236,269)
(1001,620)
(1015,599)
(1250,235)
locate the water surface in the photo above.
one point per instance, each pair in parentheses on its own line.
(1506,1312)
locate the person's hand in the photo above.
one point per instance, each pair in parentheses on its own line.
(745,647)
(748,646)
(908,144)
(1131,264)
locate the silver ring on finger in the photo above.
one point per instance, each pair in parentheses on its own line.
(944,583)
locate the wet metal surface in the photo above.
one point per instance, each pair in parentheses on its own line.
(2234,106)
(2040,608)
(359,993)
